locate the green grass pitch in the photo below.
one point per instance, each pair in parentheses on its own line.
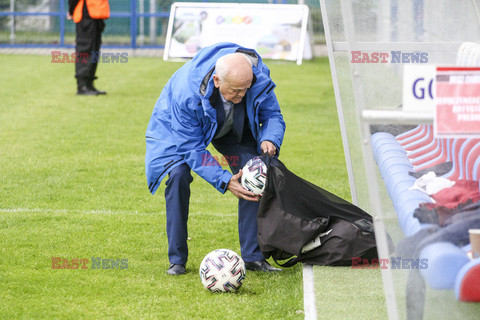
(72,185)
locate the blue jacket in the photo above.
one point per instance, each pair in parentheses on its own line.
(183,122)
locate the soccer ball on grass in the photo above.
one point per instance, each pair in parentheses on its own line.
(222,270)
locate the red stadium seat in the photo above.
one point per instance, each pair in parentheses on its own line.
(437,158)
(408,134)
(461,152)
(412,155)
(472,157)
(421,141)
(425,130)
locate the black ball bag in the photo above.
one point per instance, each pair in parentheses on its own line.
(298,218)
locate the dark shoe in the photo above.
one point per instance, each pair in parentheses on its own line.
(176,269)
(86,91)
(98,91)
(261,265)
(91,87)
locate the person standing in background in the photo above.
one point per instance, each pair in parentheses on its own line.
(89,16)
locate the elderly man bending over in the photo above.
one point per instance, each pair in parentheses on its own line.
(223,96)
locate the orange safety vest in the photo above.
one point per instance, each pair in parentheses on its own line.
(97,9)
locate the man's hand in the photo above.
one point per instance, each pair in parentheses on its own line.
(238,190)
(69,16)
(268,147)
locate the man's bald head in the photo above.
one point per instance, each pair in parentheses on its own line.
(233,76)
(234,65)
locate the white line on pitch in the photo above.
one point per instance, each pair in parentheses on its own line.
(309,303)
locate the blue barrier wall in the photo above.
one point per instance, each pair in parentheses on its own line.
(132,23)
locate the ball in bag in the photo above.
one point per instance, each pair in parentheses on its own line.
(254,176)
(222,270)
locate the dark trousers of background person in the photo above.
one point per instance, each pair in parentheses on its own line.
(88,40)
(177,196)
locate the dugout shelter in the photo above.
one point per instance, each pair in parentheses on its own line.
(369,44)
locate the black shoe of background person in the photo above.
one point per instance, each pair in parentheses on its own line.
(176,269)
(261,265)
(98,91)
(86,91)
